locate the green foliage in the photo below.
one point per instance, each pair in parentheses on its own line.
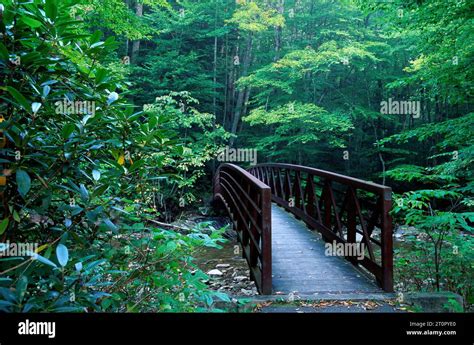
(438,254)
(253,17)
(114,15)
(296,125)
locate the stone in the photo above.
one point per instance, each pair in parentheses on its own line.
(240,278)
(215,273)
(434,302)
(222,266)
(246,292)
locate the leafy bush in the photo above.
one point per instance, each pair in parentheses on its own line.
(438,254)
(83,174)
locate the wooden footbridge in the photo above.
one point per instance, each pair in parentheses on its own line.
(287,215)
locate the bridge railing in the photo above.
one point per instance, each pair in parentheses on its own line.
(248,201)
(343,209)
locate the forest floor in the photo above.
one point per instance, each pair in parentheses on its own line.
(227,269)
(334,306)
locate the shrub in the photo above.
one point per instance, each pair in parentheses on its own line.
(83,171)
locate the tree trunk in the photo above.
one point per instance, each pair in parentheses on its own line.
(278,30)
(136,44)
(241,94)
(127,41)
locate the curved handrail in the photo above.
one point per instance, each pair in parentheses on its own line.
(248,202)
(336,210)
(366,185)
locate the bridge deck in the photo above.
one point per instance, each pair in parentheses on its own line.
(300,265)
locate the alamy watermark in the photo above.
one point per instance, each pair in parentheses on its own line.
(18,249)
(69,107)
(393,107)
(229,154)
(28,327)
(356,250)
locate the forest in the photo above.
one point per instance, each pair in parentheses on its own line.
(115,115)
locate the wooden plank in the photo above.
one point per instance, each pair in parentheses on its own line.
(300,263)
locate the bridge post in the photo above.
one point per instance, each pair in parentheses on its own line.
(351,220)
(387,239)
(216,184)
(266,241)
(325,197)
